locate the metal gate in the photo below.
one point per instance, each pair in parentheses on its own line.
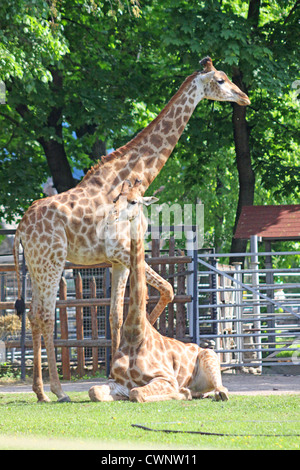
(249,312)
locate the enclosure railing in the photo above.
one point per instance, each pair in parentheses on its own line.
(250,312)
(82,334)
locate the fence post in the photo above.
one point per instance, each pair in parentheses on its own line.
(65,353)
(107,323)
(270,293)
(180,309)
(171,305)
(254,264)
(190,281)
(79,327)
(94,323)
(238,309)
(23,331)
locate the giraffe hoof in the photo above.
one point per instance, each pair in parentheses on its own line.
(221,395)
(45,399)
(65,399)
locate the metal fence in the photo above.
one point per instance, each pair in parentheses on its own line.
(82,310)
(249,312)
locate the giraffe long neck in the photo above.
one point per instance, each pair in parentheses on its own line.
(145,155)
(135,323)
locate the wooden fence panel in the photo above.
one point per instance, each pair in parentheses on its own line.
(65,353)
(79,326)
(171,322)
(94,323)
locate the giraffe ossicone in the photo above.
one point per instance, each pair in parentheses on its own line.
(149,366)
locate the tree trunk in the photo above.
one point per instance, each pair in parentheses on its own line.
(241,133)
(54,147)
(58,164)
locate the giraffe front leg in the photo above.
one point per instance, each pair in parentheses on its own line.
(120,275)
(108,391)
(47,330)
(37,385)
(158,390)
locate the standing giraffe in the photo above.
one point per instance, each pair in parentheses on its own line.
(64,226)
(147,365)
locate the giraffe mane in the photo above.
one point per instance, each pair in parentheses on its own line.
(120,152)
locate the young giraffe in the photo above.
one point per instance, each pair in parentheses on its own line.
(64,226)
(148,366)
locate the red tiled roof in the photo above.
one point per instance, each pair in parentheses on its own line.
(269,222)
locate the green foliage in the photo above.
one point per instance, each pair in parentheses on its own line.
(109,69)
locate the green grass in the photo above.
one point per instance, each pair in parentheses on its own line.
(25,423)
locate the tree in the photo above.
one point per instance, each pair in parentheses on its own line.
(256,45)
(57,62)
(81,77)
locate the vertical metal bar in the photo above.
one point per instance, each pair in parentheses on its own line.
(238,313)
(3,290)
(23,330)
(196,336)
(214,296)
(107,323)
(270,293)
(191,283)
(256,298)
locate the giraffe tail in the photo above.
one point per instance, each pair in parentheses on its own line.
(20,304)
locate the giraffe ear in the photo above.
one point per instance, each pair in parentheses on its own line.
(147,201)
(206,77)
(126,186)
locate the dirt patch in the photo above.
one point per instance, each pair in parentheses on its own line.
(237,384)
(247,384)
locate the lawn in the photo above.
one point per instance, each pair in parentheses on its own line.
(82,424)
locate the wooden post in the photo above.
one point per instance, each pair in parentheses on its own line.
(162,318)
(155,253)
(94,323)
(107,293)
(180,310)
(171,280)
(65,356)
(79,327)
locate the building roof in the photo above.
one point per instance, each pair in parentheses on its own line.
(269,222)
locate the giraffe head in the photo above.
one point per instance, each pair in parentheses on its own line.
(127,208)
(217,86)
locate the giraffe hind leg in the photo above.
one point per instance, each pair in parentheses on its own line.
(209,375)
(42,319)
(158,390)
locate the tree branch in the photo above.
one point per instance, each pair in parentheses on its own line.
(10,119)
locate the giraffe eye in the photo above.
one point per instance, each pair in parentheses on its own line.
(133,202)
(221,81)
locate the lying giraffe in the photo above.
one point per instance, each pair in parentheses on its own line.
(64,226)
(149,366)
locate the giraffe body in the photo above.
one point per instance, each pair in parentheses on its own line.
(147,365)
(64,226)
